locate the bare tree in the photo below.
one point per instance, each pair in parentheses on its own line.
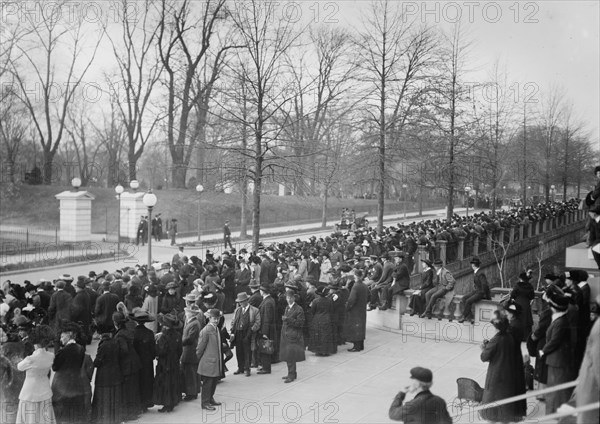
(138,71)
(185,25)
(80,130)
(260,67)
(550,116)
(394,55)
(14,125)
(41,53)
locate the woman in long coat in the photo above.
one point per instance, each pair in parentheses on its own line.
(106,406)
(35,399)
(130,368)
(167,385)
(228,283)
(143,343)
(321,339)
(291,348)
(523,293)
(68,390)
(501,380)
(356,313)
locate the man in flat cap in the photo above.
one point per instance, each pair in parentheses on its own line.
(416,404)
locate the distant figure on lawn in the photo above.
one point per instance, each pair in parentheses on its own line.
(173,231)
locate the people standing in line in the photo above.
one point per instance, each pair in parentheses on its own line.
(321,339)
(502,379)
(523,293)
(189,359)
(416,404)
(35,398)
(244,327)
(210,358)
(268,331)
(481,290)
(558,350)
(144,345)
(106,406)
(167,384)
(227,235)
(67,385)
(291,349)
(355,324)
(130,366)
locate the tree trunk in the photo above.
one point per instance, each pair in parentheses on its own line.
(48,164)
(244,208)
(256,205)
(324,208)
(178,174)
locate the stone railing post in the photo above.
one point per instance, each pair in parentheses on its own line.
(521,230)
(460,254)
(443,244)
(511,235)
(501,236)
(423,254)
(475,250)
(541,226)
(530,230)
(489,241)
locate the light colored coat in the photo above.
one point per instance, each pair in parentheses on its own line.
(209,352)
(36,387)
(151,306)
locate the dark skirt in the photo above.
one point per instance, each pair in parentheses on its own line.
(556,376)
(189,379)
(130,390)
(167,385)
(106,406)
(321,336)
(146,381)
(69,410)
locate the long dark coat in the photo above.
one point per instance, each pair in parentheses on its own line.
(338,316)
(105,306)
(189,360)
(68,390)
(167,387)
(106,406)
(523,293)
(501,380)
(322,340)
(228,282)
(130,369)
(143,343)
(268,312)
(356,312)
(60,308)
(291,348)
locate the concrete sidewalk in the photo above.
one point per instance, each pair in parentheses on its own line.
(342,388)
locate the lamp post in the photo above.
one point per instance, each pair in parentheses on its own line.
(552,191)
(504,195)
(199,189)
(76,183)
(149,200)
(119,190)
(404,187)
(134,184)
(467,190)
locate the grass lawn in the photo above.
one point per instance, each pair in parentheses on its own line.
(36,207)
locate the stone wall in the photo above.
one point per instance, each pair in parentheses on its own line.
(545,239)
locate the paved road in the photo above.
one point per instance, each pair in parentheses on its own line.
(163,252)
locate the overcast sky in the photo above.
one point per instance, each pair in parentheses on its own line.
(542,44)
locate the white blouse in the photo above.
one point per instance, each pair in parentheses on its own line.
(36,387)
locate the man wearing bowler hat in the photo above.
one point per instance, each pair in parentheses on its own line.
(481,290)
(268,330)
(415,404)
(244,326)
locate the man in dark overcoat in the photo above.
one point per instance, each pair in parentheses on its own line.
(291,348)
(81,312)
(355,324)
(60,305)
(144,345)
(106,305)
(267,310)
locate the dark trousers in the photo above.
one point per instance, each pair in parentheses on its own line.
(418,303)
(375,294)
(467,303)
(227,241)
(265,360)
(433,296)
(209,385)
(292,369)
(243,351)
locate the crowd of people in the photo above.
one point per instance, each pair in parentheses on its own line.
(286,298)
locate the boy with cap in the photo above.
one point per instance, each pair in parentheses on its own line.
(416,404)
